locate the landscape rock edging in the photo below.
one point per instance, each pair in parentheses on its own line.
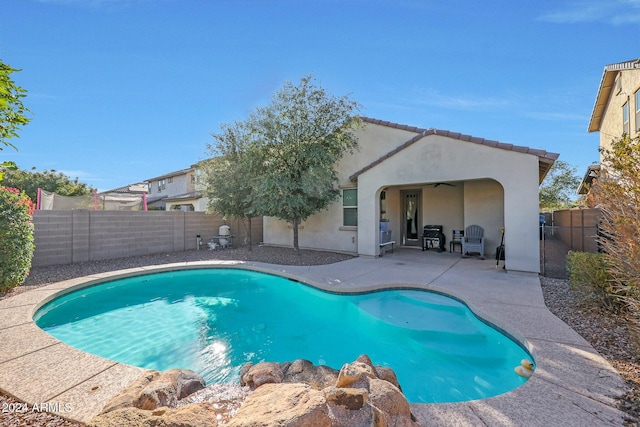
(290,394)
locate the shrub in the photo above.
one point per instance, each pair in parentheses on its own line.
(617,193)
(16,237)
(590,273)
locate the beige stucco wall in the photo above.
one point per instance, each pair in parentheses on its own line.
(199,205)
(611,125)
(494,188)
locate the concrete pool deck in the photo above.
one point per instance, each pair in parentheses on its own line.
(572,385)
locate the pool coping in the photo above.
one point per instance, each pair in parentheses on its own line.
(572,385)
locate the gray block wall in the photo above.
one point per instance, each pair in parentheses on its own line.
(66,237)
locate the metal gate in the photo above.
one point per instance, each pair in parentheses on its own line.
(571,230)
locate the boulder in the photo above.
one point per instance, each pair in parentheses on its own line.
(191,415)
(169,387)
(355,375)
(292,394)
(128,396)
(303,371)
(263,373)
(283,405)
(387,374)
(382,372)
(388,398)
(349,398)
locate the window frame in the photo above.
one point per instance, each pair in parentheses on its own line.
(637,97)
(349,207)
(625,118)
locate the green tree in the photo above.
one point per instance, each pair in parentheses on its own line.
(231,174)
(617,193)
(12,111)
(558,190)
(16,237)
(301,135)
(48,180)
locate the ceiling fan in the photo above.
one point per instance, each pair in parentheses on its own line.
(438,184)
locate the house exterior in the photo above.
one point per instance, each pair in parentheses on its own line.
(178,190)
(403,178)
(616,110)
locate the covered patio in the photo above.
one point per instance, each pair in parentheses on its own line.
(405,210)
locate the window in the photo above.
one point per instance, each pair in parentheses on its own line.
(625,118)
(162,184)
(350,207)
(170,180)
(638,110)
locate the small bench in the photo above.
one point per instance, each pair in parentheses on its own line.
(384,245)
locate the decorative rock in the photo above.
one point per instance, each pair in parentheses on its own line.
(168,388)
(262,373)
(130,395)
(350,398)
(363,358)
(292,394)
(388,398)
(387,374)
(355,375)
(303,371)
(364,417)
(283,405)
(382,372)
(192,415)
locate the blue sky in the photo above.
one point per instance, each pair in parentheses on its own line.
(126,90)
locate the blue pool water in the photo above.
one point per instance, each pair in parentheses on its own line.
(214,320)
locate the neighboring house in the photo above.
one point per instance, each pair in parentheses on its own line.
(409,177)
(616,110)
(179,190)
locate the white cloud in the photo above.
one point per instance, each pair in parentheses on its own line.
(615,12)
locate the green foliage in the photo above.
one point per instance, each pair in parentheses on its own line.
(589,272)
(232,174)
(558,190)
(304,132)
(12,112)
(52,181)
(617,193)
(280,161)
(16,237)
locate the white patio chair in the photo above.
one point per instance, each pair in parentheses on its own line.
(473,241)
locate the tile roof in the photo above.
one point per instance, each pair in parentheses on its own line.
(137,188)
(171,174)
(546,158)
(185,196)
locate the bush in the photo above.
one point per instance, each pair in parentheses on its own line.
(16,237)
(589,273)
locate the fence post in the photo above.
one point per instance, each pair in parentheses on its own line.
(543,248)
(582,229)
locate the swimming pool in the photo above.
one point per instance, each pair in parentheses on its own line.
(215,320)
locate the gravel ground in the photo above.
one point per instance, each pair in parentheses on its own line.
(617,338)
